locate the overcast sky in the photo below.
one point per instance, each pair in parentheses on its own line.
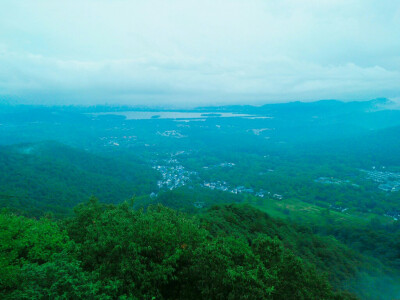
(198,52)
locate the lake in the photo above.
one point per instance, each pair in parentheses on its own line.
(147,115)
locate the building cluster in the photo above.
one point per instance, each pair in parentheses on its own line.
(199,204)
(222,165)
(258,131)
(338,208)
(226,165)
(334,181)
(173,175)
(172,133)
(224,186)
(173,154)
(395,215)
(331,180)
(117,140)
(388,181)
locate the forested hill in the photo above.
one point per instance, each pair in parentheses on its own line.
(109,252)
(326,108)
(49,176)
(373,147)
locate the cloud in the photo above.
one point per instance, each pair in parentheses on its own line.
(198,52)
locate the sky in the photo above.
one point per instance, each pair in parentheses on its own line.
(189,53)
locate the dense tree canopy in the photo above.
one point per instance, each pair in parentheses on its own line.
(108,251)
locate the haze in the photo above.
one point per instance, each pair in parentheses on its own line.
(188,53)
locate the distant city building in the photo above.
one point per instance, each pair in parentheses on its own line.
(199,204)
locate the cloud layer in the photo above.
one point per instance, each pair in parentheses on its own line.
(198,52)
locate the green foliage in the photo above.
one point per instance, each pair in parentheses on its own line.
(61,278)
(108,252)
(24,241)
(227,268)
(327,254)
(140,250)
(35,178)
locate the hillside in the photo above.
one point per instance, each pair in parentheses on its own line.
(114,251)
(48,176)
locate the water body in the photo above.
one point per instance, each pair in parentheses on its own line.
(147,115)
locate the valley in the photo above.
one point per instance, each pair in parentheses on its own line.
(298,168)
